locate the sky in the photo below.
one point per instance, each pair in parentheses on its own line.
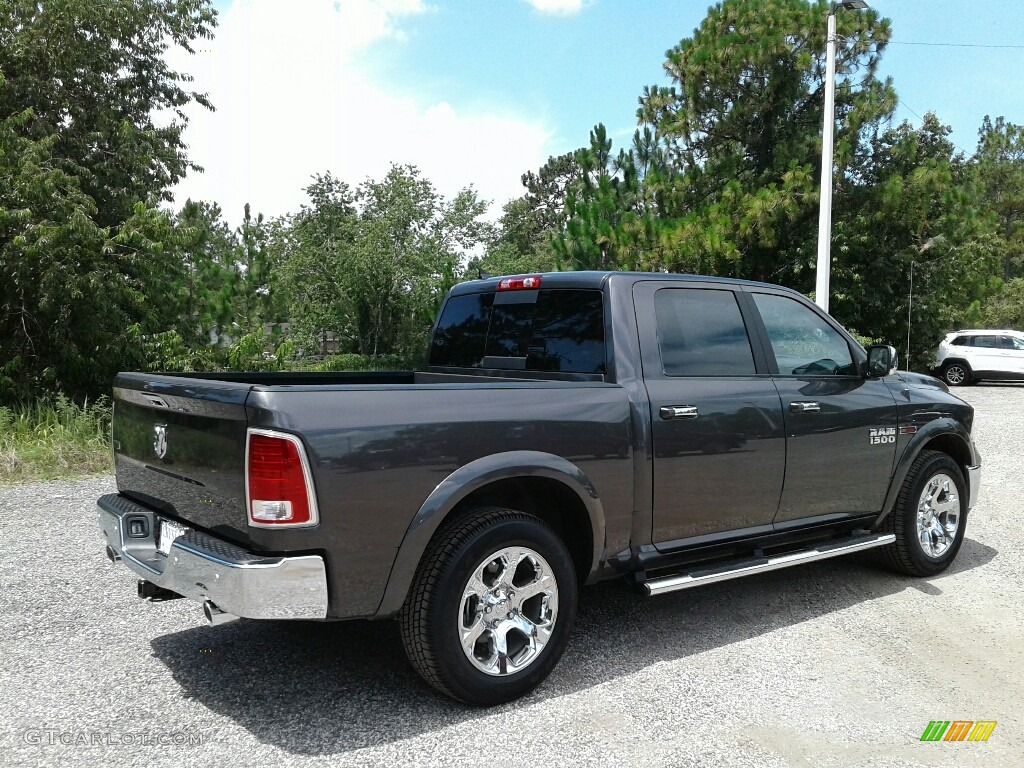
(477,92)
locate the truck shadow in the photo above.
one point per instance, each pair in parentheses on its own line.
(325,688)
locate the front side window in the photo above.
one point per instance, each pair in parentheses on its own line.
(701,333)
(803,343)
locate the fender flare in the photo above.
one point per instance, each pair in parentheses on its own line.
(940,427)
(469,478)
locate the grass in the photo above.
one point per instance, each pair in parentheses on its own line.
(54,438)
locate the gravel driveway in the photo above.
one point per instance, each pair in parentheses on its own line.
(830,664)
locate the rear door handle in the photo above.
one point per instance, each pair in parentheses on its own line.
(803,406)
(679,412)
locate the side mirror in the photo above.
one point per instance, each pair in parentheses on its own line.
(881,361)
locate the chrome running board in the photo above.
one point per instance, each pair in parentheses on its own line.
(748,567)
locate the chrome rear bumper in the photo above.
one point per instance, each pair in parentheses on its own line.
(203,567)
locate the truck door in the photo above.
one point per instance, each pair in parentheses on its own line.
(840,427)
(717,429)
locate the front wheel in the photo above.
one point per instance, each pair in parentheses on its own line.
(929,517)
(491,607)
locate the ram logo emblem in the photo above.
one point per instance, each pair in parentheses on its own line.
(880,435)
(160,440)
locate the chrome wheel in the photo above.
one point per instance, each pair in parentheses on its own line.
(938,515)
(956,375)
(508,611)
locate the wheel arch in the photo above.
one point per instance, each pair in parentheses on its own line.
(547,486)
(944,435)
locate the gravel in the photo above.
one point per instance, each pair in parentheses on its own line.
(831,664)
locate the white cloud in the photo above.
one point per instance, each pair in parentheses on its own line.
(557,7)
(293,99)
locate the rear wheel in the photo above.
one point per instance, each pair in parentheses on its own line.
(929,517)
(956,374)
(491,607)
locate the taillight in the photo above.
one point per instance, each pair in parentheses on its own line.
(519,283)
(279,485)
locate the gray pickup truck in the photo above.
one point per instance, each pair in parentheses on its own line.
(668,430)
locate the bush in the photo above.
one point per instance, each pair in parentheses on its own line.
(53,438)
(349,362)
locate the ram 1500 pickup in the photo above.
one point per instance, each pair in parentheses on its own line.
(671,430)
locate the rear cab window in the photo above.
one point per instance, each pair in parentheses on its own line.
(557,330)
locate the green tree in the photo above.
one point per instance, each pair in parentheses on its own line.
(740,129)
(207,248)
(311,253)
(614,212)
(84,252)
(910,204)
(523,241)
(371,266)
(252,291)
(999,162)
(409,245)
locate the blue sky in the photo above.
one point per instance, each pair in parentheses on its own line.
(479,91)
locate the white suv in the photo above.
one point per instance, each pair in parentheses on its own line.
(966,357)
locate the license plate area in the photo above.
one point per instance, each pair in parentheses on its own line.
(167,533)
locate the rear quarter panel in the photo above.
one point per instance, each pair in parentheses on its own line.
(377,453)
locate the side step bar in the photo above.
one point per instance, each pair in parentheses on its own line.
(751,566)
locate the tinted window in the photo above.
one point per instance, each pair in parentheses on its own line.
(461,333)
(961,341)
(988,342)
(563,330)
(568,332)
(701,333)
(803,343)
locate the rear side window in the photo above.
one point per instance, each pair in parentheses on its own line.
(701,333)
(559,330)
(988,342)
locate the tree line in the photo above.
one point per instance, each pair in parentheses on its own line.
(100,272)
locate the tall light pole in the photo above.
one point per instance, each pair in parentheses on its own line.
(821,284)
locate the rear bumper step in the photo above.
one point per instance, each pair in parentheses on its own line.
(207,569)
(751,566)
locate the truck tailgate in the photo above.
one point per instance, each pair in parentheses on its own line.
(179,447)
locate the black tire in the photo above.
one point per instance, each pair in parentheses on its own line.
(429,620)
(907,554)
(957,374)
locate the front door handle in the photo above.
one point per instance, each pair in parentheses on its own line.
(804,406)
(679,412)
